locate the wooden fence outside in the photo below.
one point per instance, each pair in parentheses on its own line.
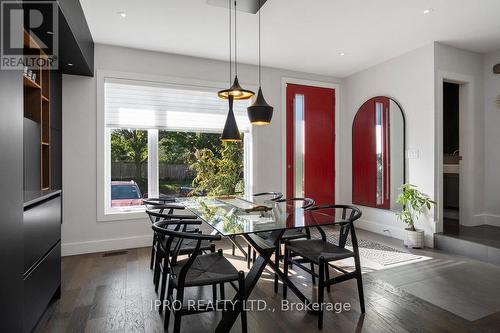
(126,170)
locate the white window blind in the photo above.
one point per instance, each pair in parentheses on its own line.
(143,106)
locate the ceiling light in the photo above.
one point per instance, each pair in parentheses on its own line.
(428,10)
(70,64)
(235,90)
(122,14)
(50,33)
(231,133)
(341,54)
(260,113)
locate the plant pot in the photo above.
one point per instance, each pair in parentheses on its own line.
(414,239)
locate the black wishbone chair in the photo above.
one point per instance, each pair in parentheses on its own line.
(187,246)
(289,235)
(197,270)
(274,196)
(322,253)
(161,205)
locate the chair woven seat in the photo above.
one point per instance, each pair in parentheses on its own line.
(188,246)
(287,235)
(313,249)
(206,269)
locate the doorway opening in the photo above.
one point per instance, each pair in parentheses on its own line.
(451,157)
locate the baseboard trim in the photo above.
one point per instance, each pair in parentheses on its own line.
(383,229)
(391,231)
(101,245)
(490,219)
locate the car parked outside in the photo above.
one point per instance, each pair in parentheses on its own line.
(125,194)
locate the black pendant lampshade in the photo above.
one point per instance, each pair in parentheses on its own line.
(236,91)
(260,113)
(230,132)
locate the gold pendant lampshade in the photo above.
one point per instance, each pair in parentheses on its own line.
(260,113)
(235,92)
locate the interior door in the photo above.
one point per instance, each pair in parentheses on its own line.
(310,128)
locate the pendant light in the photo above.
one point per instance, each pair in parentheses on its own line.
(235,90)
(231,133)
(260,113)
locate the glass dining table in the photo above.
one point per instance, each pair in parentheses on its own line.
(247,217)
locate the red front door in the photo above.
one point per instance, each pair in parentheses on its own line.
(310,128)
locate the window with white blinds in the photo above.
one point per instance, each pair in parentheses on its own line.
(149,106)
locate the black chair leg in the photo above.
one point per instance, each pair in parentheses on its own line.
(222,292)
(177,314)
(285,271)
(156,272)
(214,292)
(312,275)
(249,258)
(327,276)
(241,292)
(170,290)
(234,250)
(321,291)
(359,279)
(152,253)
(277,255)
(164,277)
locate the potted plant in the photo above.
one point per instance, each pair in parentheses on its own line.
(414,204)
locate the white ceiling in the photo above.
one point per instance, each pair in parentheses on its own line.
(301,35)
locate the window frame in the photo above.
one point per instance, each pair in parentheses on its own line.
(103,196)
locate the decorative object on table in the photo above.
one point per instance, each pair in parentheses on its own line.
(414,203)
(496,69)
(260,113)
(235,92)
(244,205)
(378,153)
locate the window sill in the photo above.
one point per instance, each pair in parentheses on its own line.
(122,215)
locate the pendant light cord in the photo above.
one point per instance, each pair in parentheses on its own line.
(235,43)
(260,66)
(230,45)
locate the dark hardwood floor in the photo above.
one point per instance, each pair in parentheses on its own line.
(114,293)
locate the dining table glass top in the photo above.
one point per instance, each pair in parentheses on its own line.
(232,215)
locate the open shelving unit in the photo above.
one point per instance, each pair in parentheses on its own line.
(37,106)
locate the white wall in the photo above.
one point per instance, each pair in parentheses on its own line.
(80,231)
(464,67)
(408,79)
(492,141)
